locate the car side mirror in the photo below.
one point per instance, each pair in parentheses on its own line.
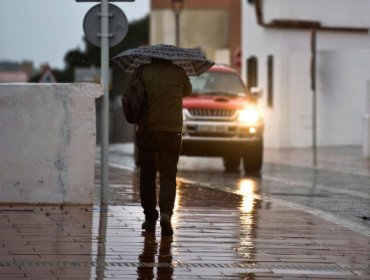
(256,92)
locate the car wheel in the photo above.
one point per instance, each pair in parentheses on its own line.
(253,157)
(231,163)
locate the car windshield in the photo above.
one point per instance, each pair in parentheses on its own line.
(217,83)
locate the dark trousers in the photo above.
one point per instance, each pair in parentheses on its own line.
(158,151)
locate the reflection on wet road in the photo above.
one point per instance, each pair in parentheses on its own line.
(226,235)
(338,196)
(341,198)
(214,233)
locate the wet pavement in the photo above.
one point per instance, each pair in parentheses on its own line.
(281,225)
(337,189)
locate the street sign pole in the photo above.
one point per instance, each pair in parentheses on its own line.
(105,104)
(105,25)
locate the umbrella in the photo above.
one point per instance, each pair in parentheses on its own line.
(191,60)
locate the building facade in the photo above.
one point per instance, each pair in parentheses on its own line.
(212,25)
(14,72)
(278,39)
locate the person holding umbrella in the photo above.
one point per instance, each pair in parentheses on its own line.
(164,73)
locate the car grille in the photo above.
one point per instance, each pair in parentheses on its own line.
(212,113)
(230,132)
(211,134)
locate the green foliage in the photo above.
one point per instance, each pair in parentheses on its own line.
(137,35)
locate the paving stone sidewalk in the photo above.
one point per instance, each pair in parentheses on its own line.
(218,235)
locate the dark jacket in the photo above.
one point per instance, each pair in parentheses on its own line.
(166,84)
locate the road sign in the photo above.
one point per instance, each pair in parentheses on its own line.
(118,25)
(47,76)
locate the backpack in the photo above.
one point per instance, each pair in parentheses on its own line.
(134,99)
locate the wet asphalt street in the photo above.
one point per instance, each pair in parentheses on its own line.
(337,189)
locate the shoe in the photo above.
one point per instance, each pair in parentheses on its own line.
(149,225)
(166,225)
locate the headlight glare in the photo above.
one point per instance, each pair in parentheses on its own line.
(249,116)
(184,114)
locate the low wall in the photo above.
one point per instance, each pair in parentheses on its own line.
(47,143)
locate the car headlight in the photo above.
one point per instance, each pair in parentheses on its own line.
(249,116)
(184,112)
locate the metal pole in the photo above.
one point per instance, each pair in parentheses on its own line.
(177,26)
(100,261)
(314,95)
(105,105)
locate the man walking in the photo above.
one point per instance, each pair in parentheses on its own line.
(159,139)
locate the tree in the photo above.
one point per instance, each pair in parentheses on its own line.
(137,35)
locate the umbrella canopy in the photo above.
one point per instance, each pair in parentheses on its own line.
(191,60)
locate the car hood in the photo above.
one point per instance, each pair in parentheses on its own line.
(214,102)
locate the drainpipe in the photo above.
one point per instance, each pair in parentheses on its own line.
(314,94)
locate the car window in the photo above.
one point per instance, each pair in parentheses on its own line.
(217,83)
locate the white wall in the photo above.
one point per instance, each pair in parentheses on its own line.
(47,143)
(342,95)
(329,12)
(343,65)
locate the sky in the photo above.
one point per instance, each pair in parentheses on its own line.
(44,30)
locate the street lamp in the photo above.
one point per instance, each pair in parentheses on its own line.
(177,6)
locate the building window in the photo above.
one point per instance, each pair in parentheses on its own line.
(252,72)
(270,81)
